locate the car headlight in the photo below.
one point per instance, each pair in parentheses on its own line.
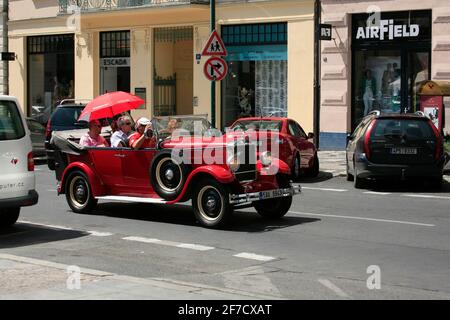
(266,158)
(233,162)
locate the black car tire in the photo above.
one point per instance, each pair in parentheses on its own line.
(9,216)
(211,204)
(358,183)
(296,168)
(273,208)
(78,193)
(314,171)
(167,176)
(349,176)
(437,183)
(51,164)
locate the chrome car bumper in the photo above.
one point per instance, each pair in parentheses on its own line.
(263,195)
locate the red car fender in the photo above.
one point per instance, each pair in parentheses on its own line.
(219,173)
(95,183)
(277,166)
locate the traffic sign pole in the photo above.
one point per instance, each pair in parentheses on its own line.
(213,83)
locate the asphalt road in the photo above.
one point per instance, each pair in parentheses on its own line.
(327,247)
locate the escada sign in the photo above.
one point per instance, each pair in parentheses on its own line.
(116,62)
(387,30)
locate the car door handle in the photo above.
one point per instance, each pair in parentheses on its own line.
(119,155)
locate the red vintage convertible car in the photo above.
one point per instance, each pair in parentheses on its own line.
(294,145)
(219,173)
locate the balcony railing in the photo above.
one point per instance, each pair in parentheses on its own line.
(70,6)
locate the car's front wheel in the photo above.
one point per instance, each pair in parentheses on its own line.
(211,205)
(78,193)
(296,168)
(273,208)
(9,216)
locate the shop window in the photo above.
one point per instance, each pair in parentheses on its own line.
(115,61)
(256,84)
(51,76)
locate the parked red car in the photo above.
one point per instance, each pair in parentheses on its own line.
(295,147)
(192,165)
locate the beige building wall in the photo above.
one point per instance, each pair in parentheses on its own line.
(336,54)
(31,17)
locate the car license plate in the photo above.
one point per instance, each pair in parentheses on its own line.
(270,194)
(403,150)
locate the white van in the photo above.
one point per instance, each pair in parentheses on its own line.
(17,180)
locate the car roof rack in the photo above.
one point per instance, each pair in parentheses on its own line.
(420,113)
(374,112)
(74,101)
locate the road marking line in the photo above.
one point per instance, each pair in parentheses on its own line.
(377,193)
(51,190)
(426,196)
(100,234)
(362,218)
(170,243)
(46,225)
(253,256)
(194,247)
(333,287)
(325,189)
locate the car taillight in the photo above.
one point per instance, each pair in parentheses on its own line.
(48,130)
(30,161)
(367,139)
(439,142)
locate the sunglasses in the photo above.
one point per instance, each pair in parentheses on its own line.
(128,123)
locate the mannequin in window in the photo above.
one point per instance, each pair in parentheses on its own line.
(388,78)
(368,90)
(244,97)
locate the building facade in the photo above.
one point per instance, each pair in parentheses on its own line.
(4,46)
(380,52)
(81,49)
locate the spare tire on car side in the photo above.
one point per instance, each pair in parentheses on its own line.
(167,175)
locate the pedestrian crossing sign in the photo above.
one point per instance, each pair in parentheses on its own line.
(214,46)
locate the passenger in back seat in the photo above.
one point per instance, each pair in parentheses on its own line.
(119,139)
(92,138)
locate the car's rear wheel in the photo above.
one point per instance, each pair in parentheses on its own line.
(168,176)
(211,205)
(9,216)
(358,183)
(296,168)
(78,193)
(314,170)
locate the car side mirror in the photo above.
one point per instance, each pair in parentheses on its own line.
(310,135)
(349,137)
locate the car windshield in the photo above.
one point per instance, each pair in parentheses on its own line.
(182,125)
(11,126)
(257,125)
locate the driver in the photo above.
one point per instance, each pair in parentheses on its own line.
(143,137)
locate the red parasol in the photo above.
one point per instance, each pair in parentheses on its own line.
(110,104)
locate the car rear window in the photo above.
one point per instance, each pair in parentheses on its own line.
(66,117)
(11,126)
(411,128)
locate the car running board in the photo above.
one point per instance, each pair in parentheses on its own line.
(132,199)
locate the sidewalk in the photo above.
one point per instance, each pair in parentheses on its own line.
(334,162)
(26,278)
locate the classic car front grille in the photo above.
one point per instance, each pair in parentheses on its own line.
(247,167)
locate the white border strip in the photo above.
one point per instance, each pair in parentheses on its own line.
(333,287)
(426,196)
(325,189)
(170,243)
(253,256)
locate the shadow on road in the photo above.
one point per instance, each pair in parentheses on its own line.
(322,176)
(243,221)
(24,234)
(414,186)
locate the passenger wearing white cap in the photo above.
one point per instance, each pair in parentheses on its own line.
(142,138)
